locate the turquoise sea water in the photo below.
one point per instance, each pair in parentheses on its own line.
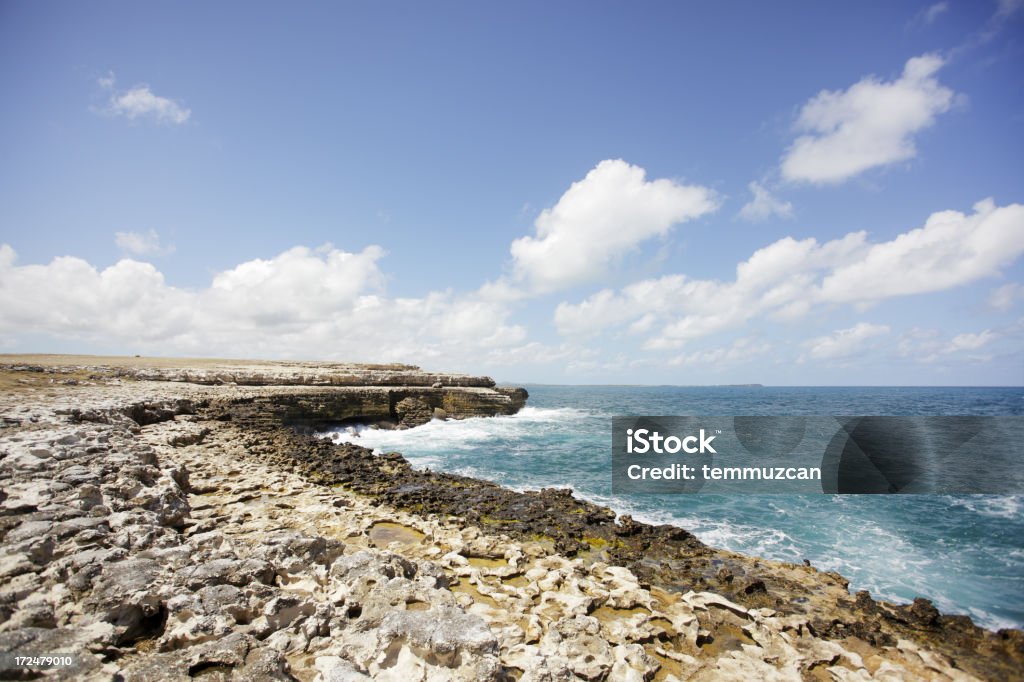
(966,553)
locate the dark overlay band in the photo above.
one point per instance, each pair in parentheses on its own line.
(845,455)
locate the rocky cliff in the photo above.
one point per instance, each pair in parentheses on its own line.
(306,393)
(160,528)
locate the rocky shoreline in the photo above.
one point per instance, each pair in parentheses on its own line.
(167,520)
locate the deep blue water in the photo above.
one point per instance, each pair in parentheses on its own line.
(966,552)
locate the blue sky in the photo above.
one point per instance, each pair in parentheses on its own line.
(564,193)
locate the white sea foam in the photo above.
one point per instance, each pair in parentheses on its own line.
(984,618)
(1008,507)
(454,435)
(759,540)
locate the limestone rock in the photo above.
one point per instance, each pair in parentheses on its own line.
(413,412)
(442,637)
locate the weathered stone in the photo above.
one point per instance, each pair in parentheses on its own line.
(413,412)
(237,572)
(34,641)
(280,612)
(187,433)
(234,657)
(366,564)
(225,599)
(443,635)
(126,595)
(335,669)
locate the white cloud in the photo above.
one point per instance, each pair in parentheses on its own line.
(951,249)
(1006,296)
(322,303)
(928,345)
(140,102)
(789,278)
(141,244)
(775,279)
(962,342)
(601,310)
(763,205)
(870,124)
(844,343)
(599,219)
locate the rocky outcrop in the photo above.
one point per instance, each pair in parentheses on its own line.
(162,531)
(242,372)
(393,406)
(308,395)
(413,412)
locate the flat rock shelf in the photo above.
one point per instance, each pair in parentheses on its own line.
(166,519)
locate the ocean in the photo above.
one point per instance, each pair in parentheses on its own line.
(964,552)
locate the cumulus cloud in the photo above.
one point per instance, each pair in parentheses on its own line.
(324,303)
(763,205)
(139,102)
(141,243)
(845,343)
(776,279)
(789,278)
(950,250)
(870,124)
(598,219)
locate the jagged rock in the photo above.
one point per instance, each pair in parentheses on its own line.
(577,640)
(33,614)
(335,669)
(280,612)
(167,501)
(234,657)
(442,636)
(225,599)
(633,664)
(187,433)
(282,545)
(34,641)
(413,412)
(127,596)
(89,496)
(237,572)
(366,564)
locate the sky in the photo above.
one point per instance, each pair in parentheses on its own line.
(573,192)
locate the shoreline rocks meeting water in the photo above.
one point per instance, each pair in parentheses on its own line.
(169,519)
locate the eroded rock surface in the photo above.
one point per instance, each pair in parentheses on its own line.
(162,530)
